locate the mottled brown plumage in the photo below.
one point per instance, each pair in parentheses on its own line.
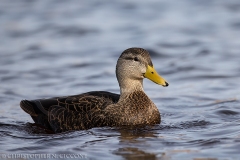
(99,108)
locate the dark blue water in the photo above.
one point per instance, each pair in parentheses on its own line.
(54,48)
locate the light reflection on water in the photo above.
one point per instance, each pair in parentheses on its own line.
(54,48)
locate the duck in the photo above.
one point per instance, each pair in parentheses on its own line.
(131,108)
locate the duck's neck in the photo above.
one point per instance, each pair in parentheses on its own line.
(129,86)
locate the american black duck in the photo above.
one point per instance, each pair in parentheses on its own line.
(100,108)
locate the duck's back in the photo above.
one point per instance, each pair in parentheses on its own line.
(74,112)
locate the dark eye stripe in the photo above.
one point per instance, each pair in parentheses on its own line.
(128,58)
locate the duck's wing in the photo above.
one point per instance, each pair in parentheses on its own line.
(75,112)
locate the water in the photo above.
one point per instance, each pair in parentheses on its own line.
(54,48)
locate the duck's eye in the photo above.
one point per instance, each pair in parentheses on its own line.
(135,59)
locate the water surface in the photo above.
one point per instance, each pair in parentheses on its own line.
(54,48)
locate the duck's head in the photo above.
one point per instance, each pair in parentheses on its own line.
(134,65)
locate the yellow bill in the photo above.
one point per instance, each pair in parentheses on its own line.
(152,74)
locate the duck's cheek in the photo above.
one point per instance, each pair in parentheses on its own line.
(143,71)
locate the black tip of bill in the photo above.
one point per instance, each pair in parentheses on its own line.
(166,84)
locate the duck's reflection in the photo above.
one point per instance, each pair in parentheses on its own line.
(132,153)
(137,146)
